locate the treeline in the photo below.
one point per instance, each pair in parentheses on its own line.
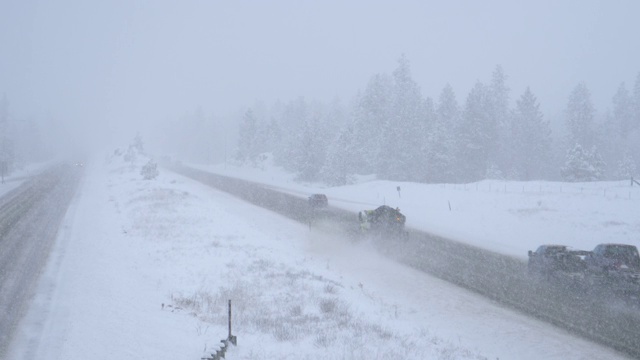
(391,130)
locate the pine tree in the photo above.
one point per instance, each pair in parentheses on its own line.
(500,155)
(405,128)
(477,134)
(635,122)
(248,139)
(598,165)
(340,163)
(372,112)
(576,167)
(271,135)
(580,115)
(309,163)
(531,138)
(633,138)
(623,110)
(610,142)
(441,155)
(424,168)
(292,123)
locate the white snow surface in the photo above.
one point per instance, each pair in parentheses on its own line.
(143,269)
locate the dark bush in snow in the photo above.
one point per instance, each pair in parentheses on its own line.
(150,170)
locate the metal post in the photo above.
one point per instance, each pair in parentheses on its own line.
(232,338)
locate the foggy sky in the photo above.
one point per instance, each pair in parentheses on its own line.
(113,64)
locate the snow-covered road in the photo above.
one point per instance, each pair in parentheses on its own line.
(29,220)
(143,269)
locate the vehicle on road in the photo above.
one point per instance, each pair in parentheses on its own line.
(558,262)
(608,269)
(615,265)
(383,220)
(318,201)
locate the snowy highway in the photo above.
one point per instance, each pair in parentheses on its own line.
(144,269)
(593,313)
(29,220)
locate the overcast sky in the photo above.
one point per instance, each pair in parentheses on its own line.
(125,61)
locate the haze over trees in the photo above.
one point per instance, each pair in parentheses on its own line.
(392,131)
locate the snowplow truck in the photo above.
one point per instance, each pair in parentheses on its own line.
(383,220)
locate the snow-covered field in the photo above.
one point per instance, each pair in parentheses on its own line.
(143,270)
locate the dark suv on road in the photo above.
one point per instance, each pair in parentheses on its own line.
(615,263)
(612,257)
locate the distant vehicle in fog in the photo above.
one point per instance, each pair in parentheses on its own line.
(318,201)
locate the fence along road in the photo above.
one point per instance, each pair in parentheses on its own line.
(591,313)
(29,219)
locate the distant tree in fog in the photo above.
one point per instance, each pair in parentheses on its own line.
(340,162)
(405,128)
(579,116)
(441,156)
(272,135)
(500,154)
(371,113)
(477,134)
(623,111)
(313,148)
(530,139)
(423,170)
(248,141)
(614,136)
(635,123)
(291,121)
(307,130)
(611,144)
(395,133)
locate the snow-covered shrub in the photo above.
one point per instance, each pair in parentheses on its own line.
(150,170)
(626,167)
(583,165)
